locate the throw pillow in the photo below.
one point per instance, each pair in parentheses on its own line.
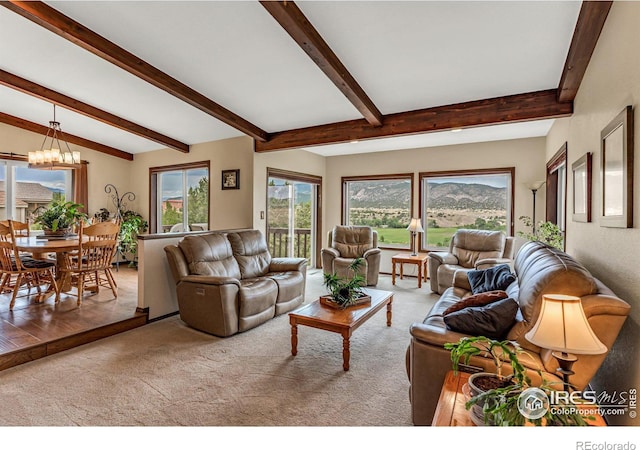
(493,320)
(492,279)
(481,299)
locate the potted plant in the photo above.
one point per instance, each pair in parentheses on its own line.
(131,225)
(546,232)
(493,397)
(345,292)
(59,216)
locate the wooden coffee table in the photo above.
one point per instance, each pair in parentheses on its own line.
(344,321)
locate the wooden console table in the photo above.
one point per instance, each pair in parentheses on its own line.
(451,411)
(406,258)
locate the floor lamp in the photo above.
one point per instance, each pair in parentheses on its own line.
(534,186)
(414,227)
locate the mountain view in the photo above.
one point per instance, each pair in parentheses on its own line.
(449,206)
(383,205)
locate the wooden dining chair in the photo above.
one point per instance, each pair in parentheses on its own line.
(20,229)
(91,262)
(18,271)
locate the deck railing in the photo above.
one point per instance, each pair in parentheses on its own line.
(278,242)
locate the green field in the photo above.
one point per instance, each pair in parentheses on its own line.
(435,238)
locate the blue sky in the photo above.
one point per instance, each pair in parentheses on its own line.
(499,181)
(172,182)
(53,179)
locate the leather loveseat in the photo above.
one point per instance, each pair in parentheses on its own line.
(227,282)
(539,270)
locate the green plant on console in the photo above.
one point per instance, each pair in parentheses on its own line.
(500,404)
(346,291)
(546,232)
(59,215)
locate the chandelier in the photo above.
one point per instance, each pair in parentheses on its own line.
(54,153)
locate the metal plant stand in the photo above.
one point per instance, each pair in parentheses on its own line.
(120,203)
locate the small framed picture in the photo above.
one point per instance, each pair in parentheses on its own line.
(231,179)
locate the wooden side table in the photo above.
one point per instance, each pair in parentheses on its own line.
(451,410)
(419,260)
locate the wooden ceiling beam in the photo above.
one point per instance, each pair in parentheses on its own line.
(56,22)
(70,138)
(294,22)
(509,109)
(28,87)
(591,19)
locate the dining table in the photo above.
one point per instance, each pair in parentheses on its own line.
(40,247)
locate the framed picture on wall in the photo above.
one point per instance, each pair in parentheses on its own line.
(582,189)
(231,179)
(616,171)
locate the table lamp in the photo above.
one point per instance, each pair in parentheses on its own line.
(414,227)
(563,327)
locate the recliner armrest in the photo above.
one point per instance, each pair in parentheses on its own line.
(211,280)
(287,264)
(444,257)
(486,263)
(371,251)
(331,251)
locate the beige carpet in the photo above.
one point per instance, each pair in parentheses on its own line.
(167,374)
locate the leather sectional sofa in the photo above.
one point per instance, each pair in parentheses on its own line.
(227,282)
(539,270)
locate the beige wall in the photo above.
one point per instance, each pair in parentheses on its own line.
(102,169)
(526,155)
(292,160)
(612,82)
(229,208)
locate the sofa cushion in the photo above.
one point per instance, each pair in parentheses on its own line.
(290,290)
(251,251)
(481,299)
(493,320)
(209,254)
(257,302)
(491,279)
(352,241)
(542,269)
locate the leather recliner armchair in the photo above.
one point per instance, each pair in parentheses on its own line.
(469,250)
(346,243)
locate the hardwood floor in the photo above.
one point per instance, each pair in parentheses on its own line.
(34,330)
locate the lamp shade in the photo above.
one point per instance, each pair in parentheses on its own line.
(563,326)
(415,225)
(535,185)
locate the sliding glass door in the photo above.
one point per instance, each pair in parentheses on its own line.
(292,215)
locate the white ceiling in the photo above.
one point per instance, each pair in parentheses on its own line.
(405,55)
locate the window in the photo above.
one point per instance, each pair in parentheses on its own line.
(24,190)
(557,188)
(179,198)
(382,202)
(475,199)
